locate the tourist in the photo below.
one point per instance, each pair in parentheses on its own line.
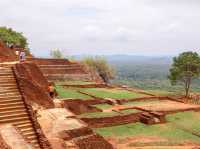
(51,90)
(22,56)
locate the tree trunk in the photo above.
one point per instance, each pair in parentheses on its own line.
(187,87)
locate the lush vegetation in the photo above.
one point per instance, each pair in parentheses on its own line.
(184,69)
(56,53)
(11,37)
(149,73)
(112,93)
(101,66)
(179,128)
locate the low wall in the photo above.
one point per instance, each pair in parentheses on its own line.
(112,121)
(7,54)
(55,70)
(78,106)
(93,142)
(74,133)
(33,84)
(45,61)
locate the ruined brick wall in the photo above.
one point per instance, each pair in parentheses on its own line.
(6,54)
(33,84)
(111,121)
(45,61)
(93,142)
(79,106)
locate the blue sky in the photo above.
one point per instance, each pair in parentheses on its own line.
(136,27)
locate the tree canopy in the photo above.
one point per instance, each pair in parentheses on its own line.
(184,69)
(101,66)
(11,37)
(56,53)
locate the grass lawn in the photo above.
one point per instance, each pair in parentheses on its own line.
(140,103)
(103,106)
(179,128)
(188,121)
(99,114)
(112,93)
(167,131)
(76,82)
(129,111)
(70,93)
(164,92)
(108,114)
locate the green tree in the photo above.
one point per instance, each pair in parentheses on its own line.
(11,37)
(184,69)
(56,53)
(101,66)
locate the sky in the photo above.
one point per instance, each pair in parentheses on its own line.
(90,27)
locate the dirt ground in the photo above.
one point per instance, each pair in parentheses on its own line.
(163,105)
(126,143)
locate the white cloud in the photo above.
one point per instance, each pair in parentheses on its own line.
(105,26)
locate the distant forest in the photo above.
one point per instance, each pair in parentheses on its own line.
(145,72)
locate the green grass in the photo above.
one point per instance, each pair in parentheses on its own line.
(129,111)
(70,93)
(167,131)
(99,114)
(76,82)
(179,128)
(140,103)
(164,92)
(103,106)
(189,121)
(112,93)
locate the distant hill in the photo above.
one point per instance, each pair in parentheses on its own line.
(147,72)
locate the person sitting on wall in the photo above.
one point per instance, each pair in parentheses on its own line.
(51,90)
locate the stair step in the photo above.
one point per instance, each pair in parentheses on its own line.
(8,84)
(10,87)
(36,145)
(11,104)
(6,71)
(8,94)
(35,141)
(6,77)
(32,137)
(11,108)
(8,91)
(13,111)
(11,120)
(8,81)
(10,97)
(9,116)
(25,125)
(27,134)
(10,100)
(28,129)
(5,82)
(22,123)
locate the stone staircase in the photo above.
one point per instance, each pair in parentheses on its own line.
(12,107)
